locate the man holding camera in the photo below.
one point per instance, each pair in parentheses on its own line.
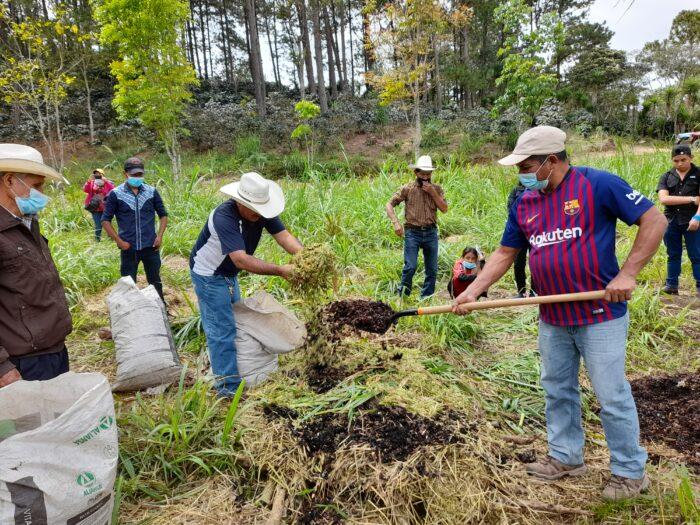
(422,199)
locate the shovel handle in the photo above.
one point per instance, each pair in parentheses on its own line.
(505,303)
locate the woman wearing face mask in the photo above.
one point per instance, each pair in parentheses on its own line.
(34,320)
(465,271)
(97,189)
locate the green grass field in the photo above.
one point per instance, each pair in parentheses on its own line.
(186,458)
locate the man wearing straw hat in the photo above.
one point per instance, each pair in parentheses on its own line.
(568,220)
(422,199)
(34,316)
(225,246)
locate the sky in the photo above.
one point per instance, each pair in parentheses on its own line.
(645,20)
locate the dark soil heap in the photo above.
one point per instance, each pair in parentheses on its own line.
(392,432)
(322,378)
(669,412)
(370,316)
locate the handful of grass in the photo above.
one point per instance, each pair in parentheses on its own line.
(314,270)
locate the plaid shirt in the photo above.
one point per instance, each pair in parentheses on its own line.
(421,209)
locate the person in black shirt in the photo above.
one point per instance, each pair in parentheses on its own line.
(679,192)
(520,259)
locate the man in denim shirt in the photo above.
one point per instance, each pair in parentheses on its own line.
(135,205)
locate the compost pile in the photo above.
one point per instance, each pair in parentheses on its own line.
(392,432)
(323,378)
(370,316)
(669,412)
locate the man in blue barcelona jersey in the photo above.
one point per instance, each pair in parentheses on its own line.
(567,218)
(225,246)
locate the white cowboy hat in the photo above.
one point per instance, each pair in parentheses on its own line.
(18,158)
(425,163)
(257,193)
(540,140)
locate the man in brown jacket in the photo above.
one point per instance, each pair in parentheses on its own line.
(422,199)
(34,316)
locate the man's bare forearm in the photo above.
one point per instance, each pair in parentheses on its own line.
(652,226)
(440,202)
(251,264)
(162,225)
(288,242)
(495,268)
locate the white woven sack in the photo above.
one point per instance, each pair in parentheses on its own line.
(146,354)
(58,451)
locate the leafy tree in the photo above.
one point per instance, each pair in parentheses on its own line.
(525,79)
(416,29)
(685,28)
(306,111)
(35,74)
(598,68)
(153,76)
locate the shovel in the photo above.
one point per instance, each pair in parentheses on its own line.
(501,303)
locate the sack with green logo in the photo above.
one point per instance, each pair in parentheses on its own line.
(58,451)
(146,354)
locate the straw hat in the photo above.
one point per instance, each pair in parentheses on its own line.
(257,193)
(425,163)
(18,158)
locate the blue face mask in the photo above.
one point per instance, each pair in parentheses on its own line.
(468,265)
(34,203)
(529,180)
(135,182)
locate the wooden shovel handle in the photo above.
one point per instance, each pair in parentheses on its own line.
(505,303)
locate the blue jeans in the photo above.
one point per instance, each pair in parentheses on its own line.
(602,347)
(673,239)
(216,295)
(97,218)
(415,240)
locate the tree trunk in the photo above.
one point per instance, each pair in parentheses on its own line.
(436,76)
(88,96)
(255,61)
(202,30)
(321,86)
(368,47)
(227,38)
(209,47)
(306,43)
(417,134)
(300,68)
(273,55)
(344,57)
(329,53)
(352,52)
(277,56)
(339,59)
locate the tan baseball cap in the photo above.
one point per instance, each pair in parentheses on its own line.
(540,140)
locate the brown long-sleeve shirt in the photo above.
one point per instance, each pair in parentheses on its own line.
(34,315)
(420,208)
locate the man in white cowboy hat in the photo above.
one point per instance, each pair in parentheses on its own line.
(34,316)
(422,199)
(568,217)
(225,246)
